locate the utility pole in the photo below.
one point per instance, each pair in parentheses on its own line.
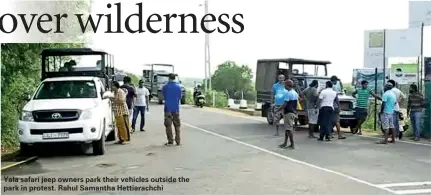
(207,53)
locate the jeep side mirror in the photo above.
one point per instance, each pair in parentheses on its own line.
(27,97)
(345,91)
(181,82)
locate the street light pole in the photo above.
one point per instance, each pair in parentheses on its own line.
(207,53)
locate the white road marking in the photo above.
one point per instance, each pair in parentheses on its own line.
(418,191)
(389,185)
(264,120)
(290,159)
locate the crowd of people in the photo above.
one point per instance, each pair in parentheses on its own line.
(129,102)
(323,109)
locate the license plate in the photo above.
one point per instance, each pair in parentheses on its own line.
(346,113)
(61,135)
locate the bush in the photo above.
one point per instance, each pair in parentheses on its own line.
(219,97)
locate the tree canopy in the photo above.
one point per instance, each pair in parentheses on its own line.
(231,77)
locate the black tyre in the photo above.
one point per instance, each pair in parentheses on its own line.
(302,120)
(99,146)
(183,100)
(160,101)
(25,149)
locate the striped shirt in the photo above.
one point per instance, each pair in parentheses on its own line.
(416,102)
(362,97)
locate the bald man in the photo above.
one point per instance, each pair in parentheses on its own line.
(290,113)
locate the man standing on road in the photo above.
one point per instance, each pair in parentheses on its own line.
(337,89)
(130,95)
(289,108)
(326,111)
(400,98)
(172,94)
(415,107)
(142,104)
(312,95)
(361,111)
(279,90)
(387,113)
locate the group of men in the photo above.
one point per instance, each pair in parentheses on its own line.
(137,100)
(137,103)
(323,108)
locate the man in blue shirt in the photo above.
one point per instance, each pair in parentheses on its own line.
(172,95)
(387,112)
(289,109)
(278,90)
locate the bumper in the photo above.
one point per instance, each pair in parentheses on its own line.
(79,131)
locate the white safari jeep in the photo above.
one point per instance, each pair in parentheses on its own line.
(67,109)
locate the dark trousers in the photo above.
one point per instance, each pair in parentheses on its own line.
(326,121)
(173,118)
(136,111)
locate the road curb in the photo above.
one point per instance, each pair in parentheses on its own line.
(27,160)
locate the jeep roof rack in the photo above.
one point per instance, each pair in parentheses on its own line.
(296,61)
(71,51)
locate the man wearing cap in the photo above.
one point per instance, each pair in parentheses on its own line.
(387,114)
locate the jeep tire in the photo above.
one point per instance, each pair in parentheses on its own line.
(99,146)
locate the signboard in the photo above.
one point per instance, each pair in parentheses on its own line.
(427,64)
(404,73)
(369,75)
(419,12)
(373,49)
(403,42)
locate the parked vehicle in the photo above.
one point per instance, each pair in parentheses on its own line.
(71,103)
(303,72)
(154,80)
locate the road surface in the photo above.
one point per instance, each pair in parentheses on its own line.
(225,153)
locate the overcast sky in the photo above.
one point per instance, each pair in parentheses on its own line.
(317,29)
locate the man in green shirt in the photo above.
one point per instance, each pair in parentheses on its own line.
(362,100)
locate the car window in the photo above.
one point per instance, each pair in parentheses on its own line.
(66,90)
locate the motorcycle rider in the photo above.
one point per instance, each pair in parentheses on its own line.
(197,91)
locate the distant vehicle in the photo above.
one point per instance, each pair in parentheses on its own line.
(154,80)
(72,102)
(303,72)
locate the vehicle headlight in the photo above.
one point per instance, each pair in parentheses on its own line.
(87,114)
(354,104)
(27,116)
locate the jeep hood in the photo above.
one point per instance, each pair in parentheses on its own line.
(345,97)
(51,104)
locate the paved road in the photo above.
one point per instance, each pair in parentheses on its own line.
(225,153)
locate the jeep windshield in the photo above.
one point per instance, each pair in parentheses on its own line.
(322,84)
(66,90)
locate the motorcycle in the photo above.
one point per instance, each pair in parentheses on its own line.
(199,99)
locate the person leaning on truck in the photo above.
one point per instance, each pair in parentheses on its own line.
(278,90)
(361,111)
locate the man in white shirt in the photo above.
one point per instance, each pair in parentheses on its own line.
(326,111)
(142,103)
(400,97)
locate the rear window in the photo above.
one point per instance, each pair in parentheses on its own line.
(66,90)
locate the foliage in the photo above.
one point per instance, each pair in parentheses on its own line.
(349,88)
(230,78)
(219,98)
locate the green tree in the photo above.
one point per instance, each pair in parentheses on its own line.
(231,77)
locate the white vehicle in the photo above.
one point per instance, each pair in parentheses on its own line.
(72,103)
(67,109)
